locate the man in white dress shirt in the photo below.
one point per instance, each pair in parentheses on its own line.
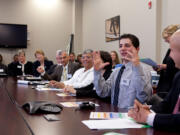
(82,77)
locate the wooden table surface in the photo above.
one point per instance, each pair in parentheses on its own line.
(70,118)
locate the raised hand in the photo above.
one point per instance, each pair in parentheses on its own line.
(98,62)
(132,56)
(162,66)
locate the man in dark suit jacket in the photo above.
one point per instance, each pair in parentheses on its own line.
(165,116)
(58,60)
(58,71)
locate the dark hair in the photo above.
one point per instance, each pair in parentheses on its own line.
(15,55)
(133,38)
(106,57)
(79,55)
(72,53)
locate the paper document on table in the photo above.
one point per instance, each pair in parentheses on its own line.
(149,62)
(33,78)
(44,88)
(107,115)
(113,133)
(65,94)
(112,124)
(73,104)
(22,82)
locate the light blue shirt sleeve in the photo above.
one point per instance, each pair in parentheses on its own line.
(103,88)
(139,83)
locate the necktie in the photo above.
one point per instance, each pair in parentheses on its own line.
(64,74)
(176,109)
(117,83)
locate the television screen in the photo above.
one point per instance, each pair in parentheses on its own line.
(13,35)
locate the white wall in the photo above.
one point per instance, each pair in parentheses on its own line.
(170,15)
(77,26)
(49,25)
(135,17)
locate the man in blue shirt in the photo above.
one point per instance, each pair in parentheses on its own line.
(131,81)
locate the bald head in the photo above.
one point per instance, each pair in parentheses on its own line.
(175,48)
(175,39)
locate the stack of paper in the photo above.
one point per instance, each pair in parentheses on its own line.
(118,121)
(113,133)
(73,104)
(22,82)
(112,124)
(45,88)
(65,94)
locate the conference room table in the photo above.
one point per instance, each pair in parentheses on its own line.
(15,121)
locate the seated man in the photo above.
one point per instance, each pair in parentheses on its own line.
(89,90)
(62,72)
(82,77)
(58,60)
(124,86)
(167,116)
(10,65)
(22,67)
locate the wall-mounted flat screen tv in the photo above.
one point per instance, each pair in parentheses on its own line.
(13,35)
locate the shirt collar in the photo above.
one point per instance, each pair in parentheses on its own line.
(128,64)
(66,66)
(22,63)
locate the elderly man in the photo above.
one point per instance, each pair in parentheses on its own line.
(58,60)
(62,72)
(167,116)
(82,77)
(127,83)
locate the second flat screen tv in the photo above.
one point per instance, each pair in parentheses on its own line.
(13,35)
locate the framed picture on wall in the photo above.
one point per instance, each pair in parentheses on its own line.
(112,28)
